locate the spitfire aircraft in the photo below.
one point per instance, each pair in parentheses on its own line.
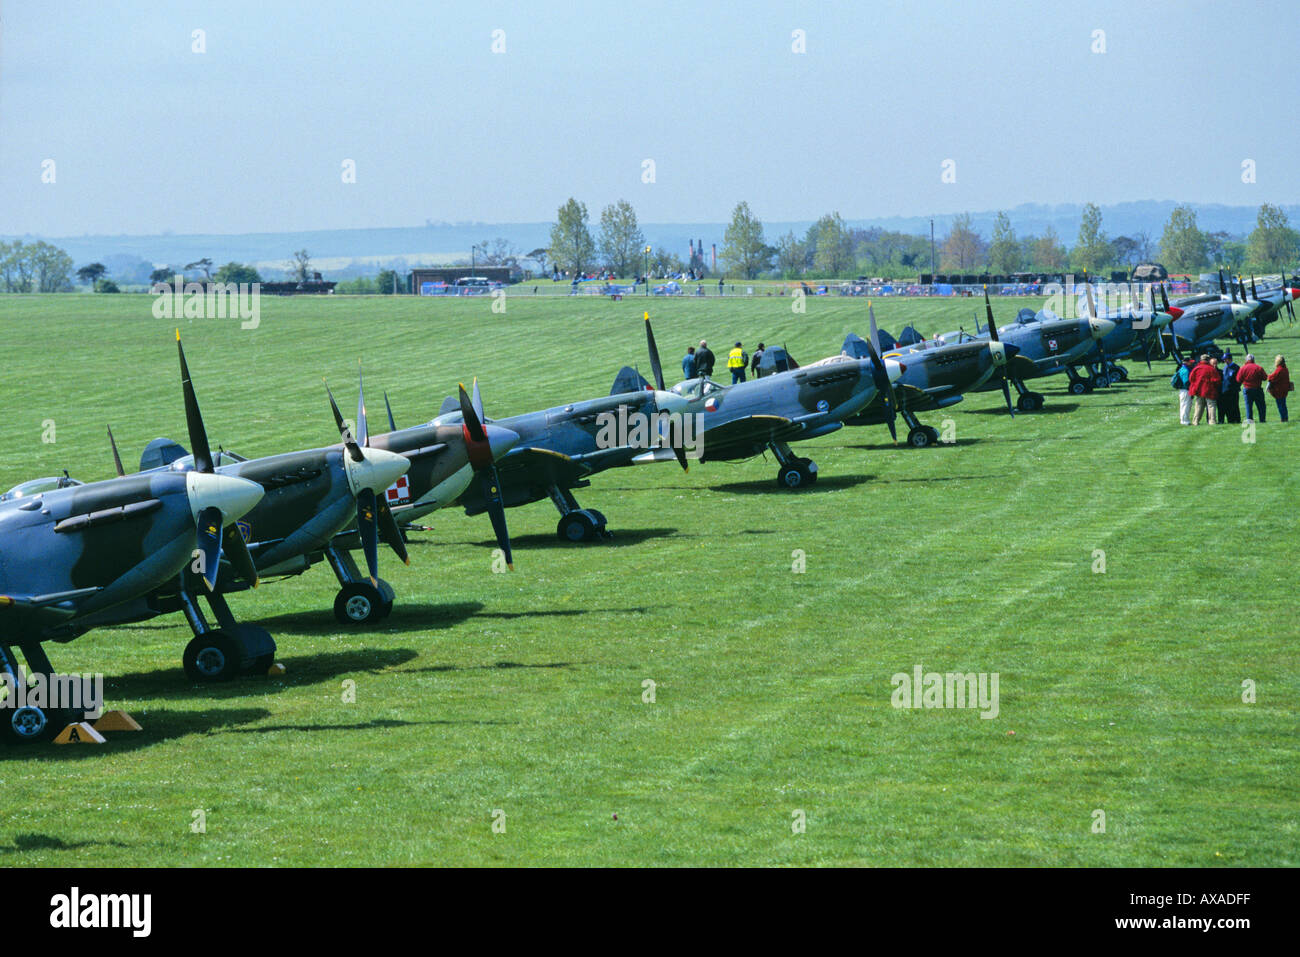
(312,497)
(934,377)
(558,450)
(72,555)
(1047,345)
(745,419)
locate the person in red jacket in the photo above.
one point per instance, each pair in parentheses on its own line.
(1251,377)
(1204,388)
(1279,384)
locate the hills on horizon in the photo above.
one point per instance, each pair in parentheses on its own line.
(344,253)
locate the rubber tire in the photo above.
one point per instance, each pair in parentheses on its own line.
(598,516)
(1080,387)
(47,723)
(920,438)
(811,468)
(576,527)
(794,476)
(1123,373)
(222,663)
(358,603)
(934,434)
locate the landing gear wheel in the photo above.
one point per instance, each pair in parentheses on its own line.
(1080,387)
(30,724)
(579,526)
(212,656)
(598,516)
(796,475)
(920,437)
(1114,377)
(1123,373)
(1100,381)
(1030,402)
(358,603)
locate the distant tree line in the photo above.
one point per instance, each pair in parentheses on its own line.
(830,248)
(34,267)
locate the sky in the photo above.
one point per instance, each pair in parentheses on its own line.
(252,134)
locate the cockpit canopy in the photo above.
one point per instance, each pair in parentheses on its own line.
(219,458)
(35,487)
(697,388)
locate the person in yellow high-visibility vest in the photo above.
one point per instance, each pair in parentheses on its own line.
(737,360)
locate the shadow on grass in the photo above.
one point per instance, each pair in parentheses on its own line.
(171,683)
(1050,407)
(620,537)
(497,666)
(824,483)
(355,726)
(404,616)
(160,724)
(24,843)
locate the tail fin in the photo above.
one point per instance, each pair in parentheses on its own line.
(628,380)
(909,336)
(855,346)
(887,341)
(449,404)
(160,453)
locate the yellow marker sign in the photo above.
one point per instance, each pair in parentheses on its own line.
(117,721)
(79,733)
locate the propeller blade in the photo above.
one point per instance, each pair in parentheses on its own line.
(363,429)
(345,434)
(988,310)
(392,425)
(477,401)
(655,367)
(237,551)
(676,439)
(193,418)
(1006,394)
(117,459)
(390,534)
(473,427)
(209,544)
(496,511)
(875,333)
(368,529)
(1223,290)
(881,377)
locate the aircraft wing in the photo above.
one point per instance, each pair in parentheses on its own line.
(38,602)
(749,430)
(556,467)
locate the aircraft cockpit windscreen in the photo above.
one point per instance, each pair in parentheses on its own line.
(37,486)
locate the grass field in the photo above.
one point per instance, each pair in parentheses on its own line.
(522,693)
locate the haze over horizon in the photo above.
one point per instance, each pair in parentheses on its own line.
(251,135)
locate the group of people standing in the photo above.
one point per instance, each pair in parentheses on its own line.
(698,363)
(1208,390)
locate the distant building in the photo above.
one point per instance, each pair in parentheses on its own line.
(447,275)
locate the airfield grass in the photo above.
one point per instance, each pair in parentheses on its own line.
(522,693)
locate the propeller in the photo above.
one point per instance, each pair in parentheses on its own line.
(485,470)
(236,499)
(392,424)
(1146,332)
(117,459)
(1173,336)
(1223,290)
(1287,297)
(675,438)
(880,375)
(1104,365)
(993,337)
(375,520)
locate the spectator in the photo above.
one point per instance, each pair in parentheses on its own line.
(758,357)
(1279,384)
(1230,392)
(1203,384)
(720,293)
(704,360)
(1181,380)
(737,360)
(1251,377)
(688,363)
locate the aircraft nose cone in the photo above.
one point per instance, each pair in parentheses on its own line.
(998,352)
(500,440)
(1242,311)
(893,369)
(378,469)
(234,497)
(671,402)
(1100,327)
